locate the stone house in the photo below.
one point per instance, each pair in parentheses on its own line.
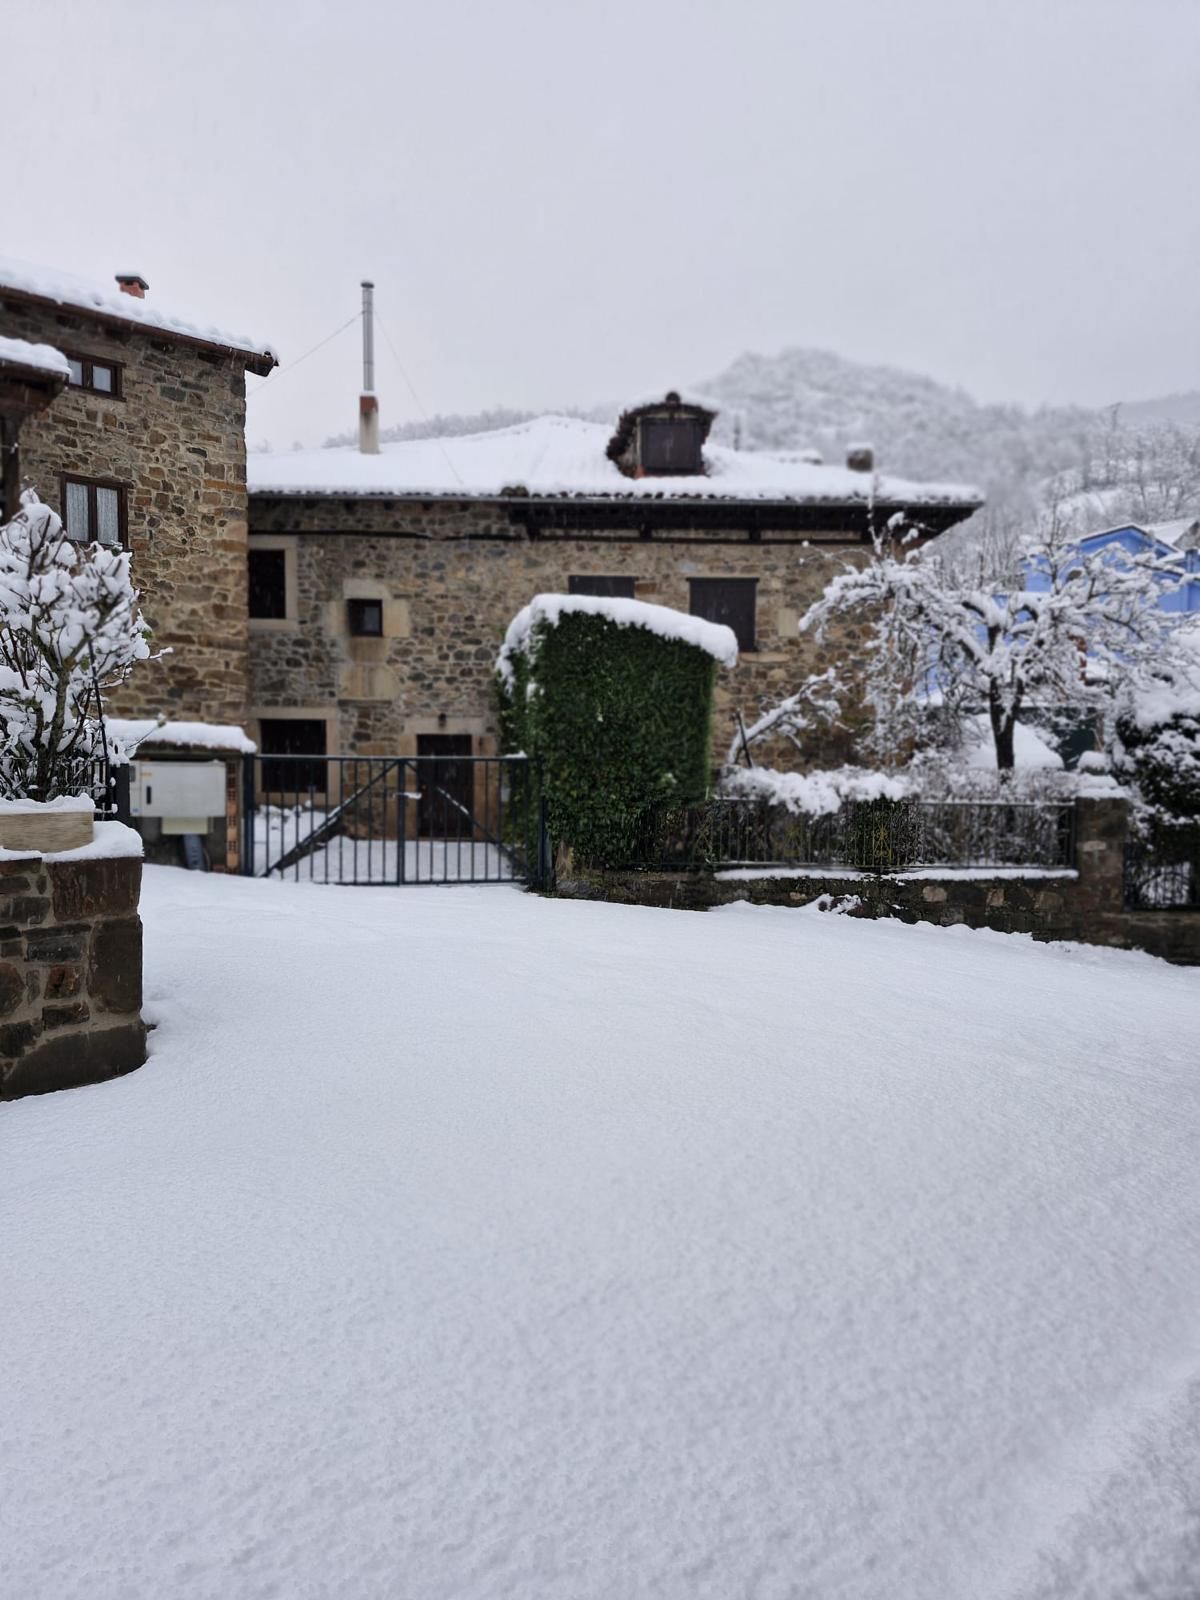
(354,601)
(382,580)
(130,422)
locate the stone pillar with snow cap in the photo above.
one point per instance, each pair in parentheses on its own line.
(70,951)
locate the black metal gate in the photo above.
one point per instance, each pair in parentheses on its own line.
(445,818)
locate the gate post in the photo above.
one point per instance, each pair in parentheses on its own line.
(402,830)
(545,855)
(120,793)
(248,815)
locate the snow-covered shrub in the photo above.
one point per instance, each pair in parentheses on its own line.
(70,628)
(812,794)
(1156,743)
(614,698)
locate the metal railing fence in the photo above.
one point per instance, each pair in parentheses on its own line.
(1162,868)
(866,836)
(399,820)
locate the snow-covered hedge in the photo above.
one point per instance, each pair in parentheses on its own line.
(822,793)
(70,628)
(614,698)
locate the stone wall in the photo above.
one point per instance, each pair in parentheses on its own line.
(453,574)
(175,440)
(1084,905)
(70,971)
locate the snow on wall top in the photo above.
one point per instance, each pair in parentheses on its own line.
(717,640)
(64,288)
(565,456)
(111,841)
(128,734)
(43,356)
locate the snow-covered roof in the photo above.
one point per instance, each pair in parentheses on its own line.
(109,302)
(1173,533)
(555,456)
(714,638)
(42,357)
(685,398)
(1177,535)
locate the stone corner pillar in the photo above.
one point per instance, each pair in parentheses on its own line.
(70,972)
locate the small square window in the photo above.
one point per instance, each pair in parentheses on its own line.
(102,378)
(365,618)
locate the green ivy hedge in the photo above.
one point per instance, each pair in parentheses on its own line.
(621,722)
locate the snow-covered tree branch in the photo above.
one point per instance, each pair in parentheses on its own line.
(1076,628)
(815,702)
(70,628)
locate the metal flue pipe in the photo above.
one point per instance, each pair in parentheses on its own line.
(368,404)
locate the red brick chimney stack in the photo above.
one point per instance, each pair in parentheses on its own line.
(132,283)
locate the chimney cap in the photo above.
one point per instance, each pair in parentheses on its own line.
(860,457)
(132,283)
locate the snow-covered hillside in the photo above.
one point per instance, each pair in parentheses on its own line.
(458,1243)
(814,398)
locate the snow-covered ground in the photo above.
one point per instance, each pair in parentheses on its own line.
(465,1244)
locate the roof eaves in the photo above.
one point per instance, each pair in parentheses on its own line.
(260,362)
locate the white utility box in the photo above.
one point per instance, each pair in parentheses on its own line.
(184,794)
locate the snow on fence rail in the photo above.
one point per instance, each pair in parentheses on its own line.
(873,836)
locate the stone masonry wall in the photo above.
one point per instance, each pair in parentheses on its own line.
(70,972)
(452,575)
(176,440)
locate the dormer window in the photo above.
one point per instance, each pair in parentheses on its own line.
(662,438)
(671,446)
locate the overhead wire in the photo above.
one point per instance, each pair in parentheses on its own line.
(292,365)
(417,399)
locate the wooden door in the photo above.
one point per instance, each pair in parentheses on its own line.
(446,783)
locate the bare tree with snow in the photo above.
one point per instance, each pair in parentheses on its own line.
(1067,636)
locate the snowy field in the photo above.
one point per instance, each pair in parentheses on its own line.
(464,1244)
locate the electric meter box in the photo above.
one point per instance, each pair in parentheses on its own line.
(183,794)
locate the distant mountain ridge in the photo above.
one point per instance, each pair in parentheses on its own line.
(920,428)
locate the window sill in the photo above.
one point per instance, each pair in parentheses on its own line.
(273,624)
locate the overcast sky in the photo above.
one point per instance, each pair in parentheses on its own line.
(563,201)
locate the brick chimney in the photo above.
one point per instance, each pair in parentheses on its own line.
(132,283)
(860,458)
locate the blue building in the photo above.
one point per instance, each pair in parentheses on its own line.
(1175,542)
